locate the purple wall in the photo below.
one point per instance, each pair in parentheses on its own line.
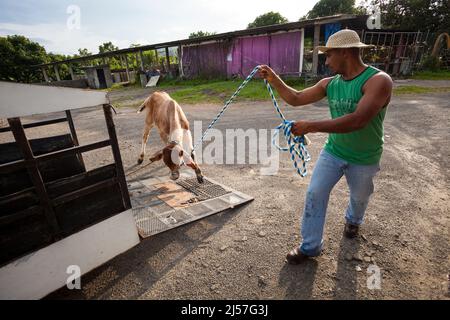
(285,52)
(280,51)
(247,53)
(207,60)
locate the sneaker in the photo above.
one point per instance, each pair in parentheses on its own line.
(351,231)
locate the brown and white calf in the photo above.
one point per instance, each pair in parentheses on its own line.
(173,126)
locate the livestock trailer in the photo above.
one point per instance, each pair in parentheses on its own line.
(56,214)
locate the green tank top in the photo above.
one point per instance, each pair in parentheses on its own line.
(363,146)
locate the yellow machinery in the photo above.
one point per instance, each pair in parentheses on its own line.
(438,42)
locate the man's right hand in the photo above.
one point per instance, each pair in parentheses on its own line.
(266,72)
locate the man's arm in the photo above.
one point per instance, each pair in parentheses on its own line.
(377,93)
(290,95)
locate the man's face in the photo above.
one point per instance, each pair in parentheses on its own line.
(335,60)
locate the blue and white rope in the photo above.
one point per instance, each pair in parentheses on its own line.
(295,144)
(243,84)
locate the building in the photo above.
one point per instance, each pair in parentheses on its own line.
(288,48)
(98,77)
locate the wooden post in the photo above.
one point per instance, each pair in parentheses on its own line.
(44,72)
(117,158)
(141,56)
(72,75)
(136,55)
(55,67)
(157,59)
(315,61)
(127,69)
(121,67)
(73,132)
(180,64)
(302,51)
(168,60)
(35,175)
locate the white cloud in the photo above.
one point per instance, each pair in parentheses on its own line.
(148,22)
(58,38)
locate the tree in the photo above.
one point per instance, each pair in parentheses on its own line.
(325,8)
(305,17)
(433,15)
(17,54)
(84,52)
(200,34)
(107,47)
(148,56)
(63,69)
(267,19)
(132,57)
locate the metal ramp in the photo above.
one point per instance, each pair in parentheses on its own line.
(160,204)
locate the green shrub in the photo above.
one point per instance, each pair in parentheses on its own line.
(431,63)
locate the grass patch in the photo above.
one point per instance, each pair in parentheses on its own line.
(419,90)
(122,86)
(114,87)
(186,83)
(432,75)
(219,91)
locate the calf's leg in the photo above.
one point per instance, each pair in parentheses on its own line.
(145,135)
(197,170)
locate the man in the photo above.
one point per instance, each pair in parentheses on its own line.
(358,96)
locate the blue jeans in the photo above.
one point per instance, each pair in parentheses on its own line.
(328,171)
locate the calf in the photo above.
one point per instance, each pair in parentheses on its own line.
(173,126)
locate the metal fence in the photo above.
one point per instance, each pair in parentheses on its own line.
(397,53)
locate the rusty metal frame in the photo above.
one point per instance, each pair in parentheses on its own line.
(408,44)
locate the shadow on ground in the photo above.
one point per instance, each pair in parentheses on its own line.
(145,259)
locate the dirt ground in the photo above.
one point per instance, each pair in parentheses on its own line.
(239,254)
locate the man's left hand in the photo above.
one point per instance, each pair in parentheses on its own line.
(300,128)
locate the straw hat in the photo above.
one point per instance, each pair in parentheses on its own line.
(343,39)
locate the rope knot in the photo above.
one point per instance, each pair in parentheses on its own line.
(295,145)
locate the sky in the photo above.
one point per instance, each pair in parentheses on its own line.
(64,26)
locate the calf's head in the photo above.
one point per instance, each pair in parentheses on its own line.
(173,157)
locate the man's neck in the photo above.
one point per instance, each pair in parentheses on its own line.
(353,70)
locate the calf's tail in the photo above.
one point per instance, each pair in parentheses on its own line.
(141,107)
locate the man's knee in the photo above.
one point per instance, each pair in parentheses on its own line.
(317,190)
(361,196)
(362,193)
(316,202)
